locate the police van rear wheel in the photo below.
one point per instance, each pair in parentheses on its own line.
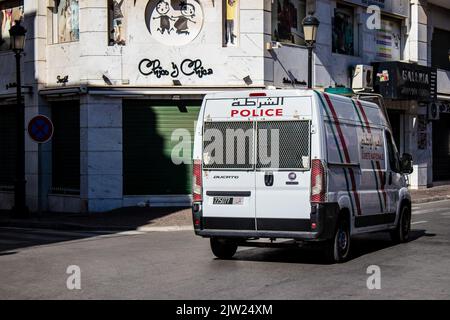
(223,248)
(338,248)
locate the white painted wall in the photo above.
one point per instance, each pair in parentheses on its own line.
(88,60)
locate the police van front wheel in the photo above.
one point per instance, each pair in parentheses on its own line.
(338,248)
(401,233)
(223,248)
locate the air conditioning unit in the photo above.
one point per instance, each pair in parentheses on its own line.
(272,45)
(433,111)
(363,77)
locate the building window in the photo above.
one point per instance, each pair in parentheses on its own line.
(440,49)
(231,23)
(117,22)
(389,40)
(344,26)
(65,21)
(10,12)
(287,17)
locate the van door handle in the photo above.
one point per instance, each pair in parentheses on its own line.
(269,179)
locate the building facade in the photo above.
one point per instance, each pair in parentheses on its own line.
(123,80)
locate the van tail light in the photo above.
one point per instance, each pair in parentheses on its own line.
(318,182)
(197,186)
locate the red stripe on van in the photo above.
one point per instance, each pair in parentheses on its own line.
(363,112)
(347,155)
(382,182)
(338,127)
(355,192)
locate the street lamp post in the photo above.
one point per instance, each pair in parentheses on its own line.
(310,26)
(17,34)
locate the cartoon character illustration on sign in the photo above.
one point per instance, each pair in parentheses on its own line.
(187,13)
(231,16)
(117,18)
(163,8)
(182,19)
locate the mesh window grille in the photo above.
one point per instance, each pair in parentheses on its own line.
(280,145)
(228,145)
(284,145)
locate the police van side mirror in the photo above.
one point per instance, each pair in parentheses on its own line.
(406,164)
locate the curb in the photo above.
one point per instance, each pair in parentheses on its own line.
(430,199)
(165,229)
(59,226)
(80,227)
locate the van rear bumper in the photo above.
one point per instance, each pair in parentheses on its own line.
(324,217)
(246,234)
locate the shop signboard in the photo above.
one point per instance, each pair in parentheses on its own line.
(396,7)
(405,81)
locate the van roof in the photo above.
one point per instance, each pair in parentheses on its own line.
(269,92)
(279,93)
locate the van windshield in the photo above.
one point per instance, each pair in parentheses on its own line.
(257,145)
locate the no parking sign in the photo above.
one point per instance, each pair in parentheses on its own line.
(40,129)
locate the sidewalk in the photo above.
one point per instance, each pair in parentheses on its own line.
(150,219)
(430,194)
(125,219)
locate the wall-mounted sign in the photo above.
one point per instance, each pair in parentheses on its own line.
(40,129)
(189,67)
(388,41)
(422,134)
(397,7)
(406,81)
(444,108)
(174,23)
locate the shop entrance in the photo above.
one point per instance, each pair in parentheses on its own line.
(396,119)
(441,148)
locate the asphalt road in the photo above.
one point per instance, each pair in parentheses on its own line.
(178,265)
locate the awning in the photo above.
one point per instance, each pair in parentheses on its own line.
(443,97)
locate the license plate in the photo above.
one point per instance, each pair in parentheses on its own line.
(228,201)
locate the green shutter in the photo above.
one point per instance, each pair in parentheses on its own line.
(148,146)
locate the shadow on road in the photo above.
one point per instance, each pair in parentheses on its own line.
(361,246)
(18,234)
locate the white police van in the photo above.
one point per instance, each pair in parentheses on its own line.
(296,164)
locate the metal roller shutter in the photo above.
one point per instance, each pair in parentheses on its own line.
(147,138)
(7,145)
(441,148)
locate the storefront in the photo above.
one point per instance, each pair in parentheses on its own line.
(157,146)
(409,91)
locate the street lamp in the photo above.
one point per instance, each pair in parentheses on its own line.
(17,34)
(310,26)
